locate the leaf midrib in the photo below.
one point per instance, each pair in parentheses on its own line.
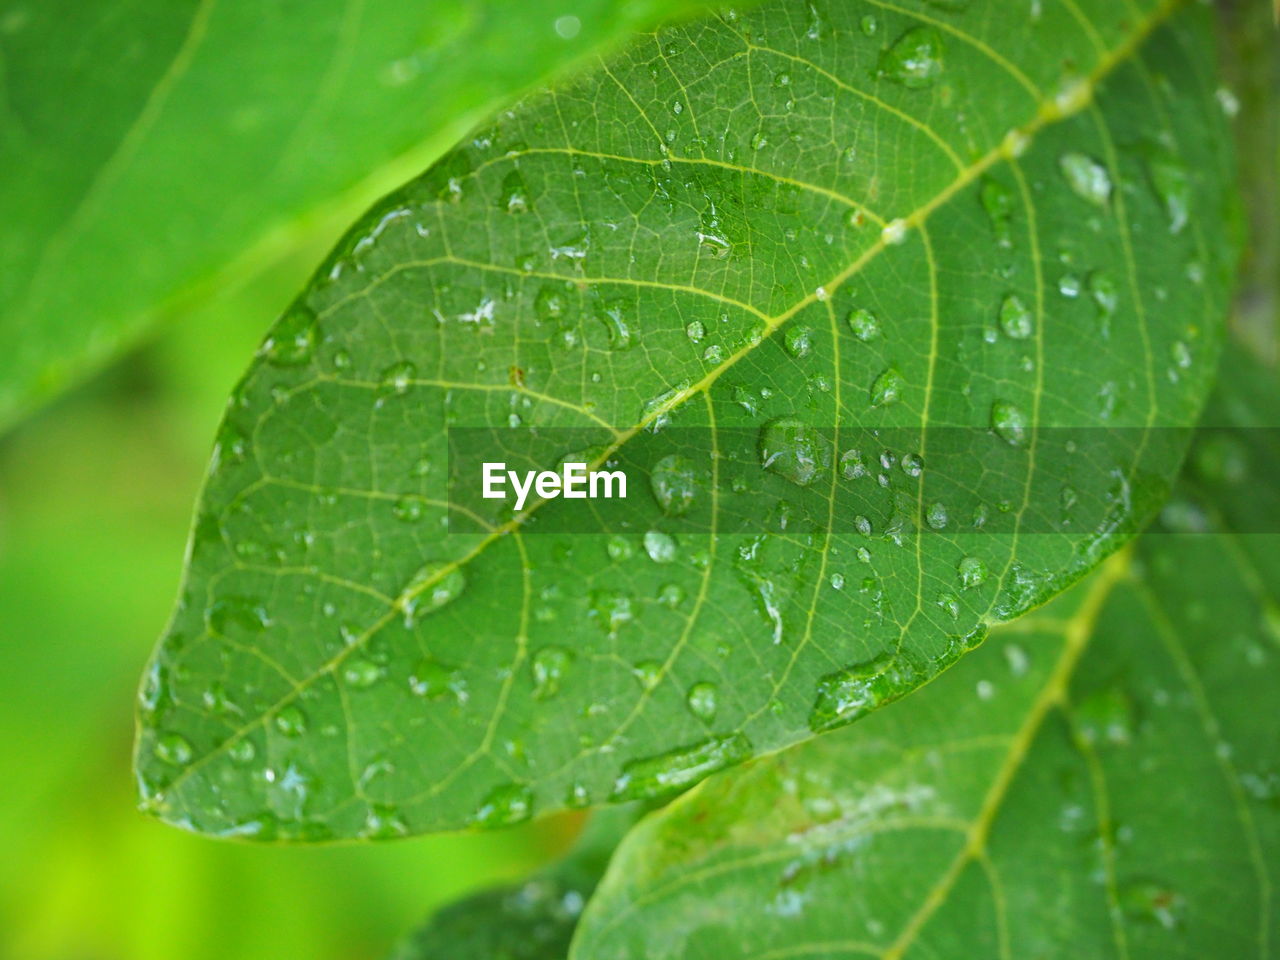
(1047,113)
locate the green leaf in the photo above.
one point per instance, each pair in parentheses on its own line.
(157,151)
(1101,779)
(757,237)
(533,920)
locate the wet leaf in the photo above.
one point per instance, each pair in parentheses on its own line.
(1101,778)
(758,235)
(533,920)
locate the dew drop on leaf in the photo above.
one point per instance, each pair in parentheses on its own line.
(619,547)
(1105,718)
(682,767)
(886,388)
(660,547)
(647,673)
(1008,422)
(864,324)
(915,59)
(1172,184)
(435,585)
(550,664)
(794,450)
(610,609)
(1104,292)
(434,680)
(504,805)
(972,572)
(293,339)
(173,748)
(674,484)
(701,700)
(291,721)
(997,202)
(1148,901)
(799,341)
(613,317)
(1015,318)
(360,673)
(1086,177)
(514,195)
(398,377)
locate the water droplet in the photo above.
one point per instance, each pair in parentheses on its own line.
(660,547)
(671,595)
(514,195)
(1105,718)
(242,751)
(972,571)
(1008,422)
(409,509)
(936,516)
(799,341)
(837,581)
(864,324)
(868,25)
(1172,183)
(1015,318)
(291,721)
(611,609)
(550,664)
(361,673)
(949,604)
(434,680)
(794,450)
(550,304)
(701,699)
(1228,101)
(656,412)
(915,59)
(679,768)
(695,330)
(175,749)
(292,341)
(232,613)
(852,465)
(1088,178)
(855,691)
(674,484)
(886,388)
(997,202)
(1148,901)
(648,673)
(619,547)
(1105,293)
(383,822)
(398,377)
(615,324)
(894,232)
(432,587)
(504,805)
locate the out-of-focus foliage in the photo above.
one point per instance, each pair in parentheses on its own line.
(95,494)
(155,150)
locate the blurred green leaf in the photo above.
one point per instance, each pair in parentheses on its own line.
(151,152)
(831,218)
(1101,779)
(528,921)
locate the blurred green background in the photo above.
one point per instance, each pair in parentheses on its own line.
(96,493)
